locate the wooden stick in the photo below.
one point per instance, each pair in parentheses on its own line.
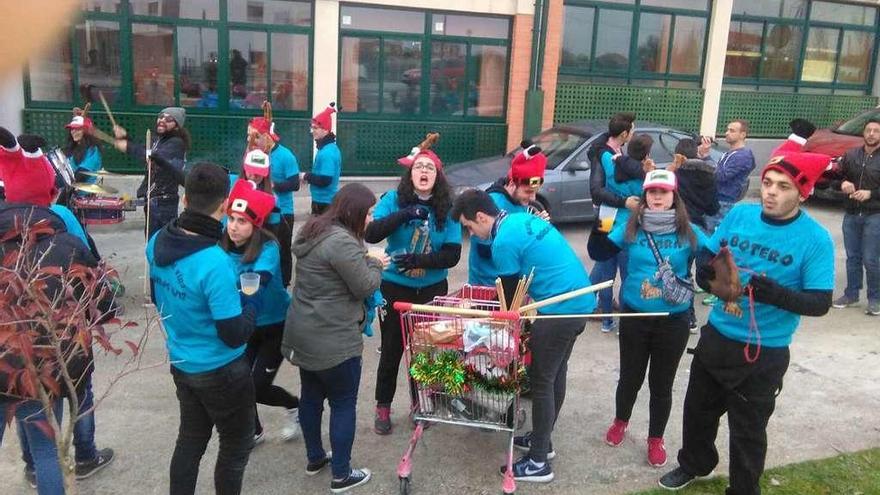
(502,301)
(453,311)
(103,136)
(526,287)
(107,108)
(593,315)
(149,149)
(566,296)
(520,294)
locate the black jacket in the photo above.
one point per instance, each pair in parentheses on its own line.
(696,186)
(863,170)
(600,194)
(168,156)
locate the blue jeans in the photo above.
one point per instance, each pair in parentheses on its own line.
(607,270)
(41,448)
(339,386)
(713,221)
(162,212)
(861,238)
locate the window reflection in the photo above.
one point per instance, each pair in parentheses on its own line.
(743,49)
(486,91)
(184,9)
(98,60)
(152,51)
(360,74)
(447,78)
(248,51)
(290,71)
(401,91)
(51,75)
(855,57)
(197,66)
(612,49)
(820,55)
(782,47)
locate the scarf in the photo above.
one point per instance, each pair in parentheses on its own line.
(200,224)
(658,221)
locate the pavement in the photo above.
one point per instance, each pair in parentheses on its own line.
(829,405)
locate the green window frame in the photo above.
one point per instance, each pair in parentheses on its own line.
(632,74)
(427,40)
(126,19)
(804,25)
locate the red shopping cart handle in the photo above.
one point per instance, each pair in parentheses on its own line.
(403,307)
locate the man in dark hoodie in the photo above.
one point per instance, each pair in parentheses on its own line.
(168,158)
(194,288)
(696,182)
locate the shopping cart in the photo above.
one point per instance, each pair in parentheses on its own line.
(465,362)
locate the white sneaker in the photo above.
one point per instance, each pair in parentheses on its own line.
(291,429)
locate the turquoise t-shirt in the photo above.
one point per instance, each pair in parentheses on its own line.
(275,300)
(191,294)
(624,189)
(70,222)
(481,270)
(522,242)
(798,255)
(328,161)
(641,288)
(91,163)
(283,164)
(415,236)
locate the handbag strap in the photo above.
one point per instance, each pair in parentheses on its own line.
(654,249)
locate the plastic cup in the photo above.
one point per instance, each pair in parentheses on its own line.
(250,283)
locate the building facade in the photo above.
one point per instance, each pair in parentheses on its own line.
(481,72)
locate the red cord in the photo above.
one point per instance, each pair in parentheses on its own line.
(753,329)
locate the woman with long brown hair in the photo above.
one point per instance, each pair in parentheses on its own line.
(660,242)
(334,274)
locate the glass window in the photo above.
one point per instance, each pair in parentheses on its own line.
(743,49)
(360,74)
(795,9)
(448,78)
(290,71)
(653,47)
(152,49)
(612,48)
(111,6)
(248,66)
(197,66)
(820,56)
(487,81)
(557,145)
(843,13)
(183,9)
(855,57)
(270,12)
(468,25)
(98,60)
(577,36)
(782,48)
(678,4)
(51,74)
(371,19)
(401,88)
(687,45)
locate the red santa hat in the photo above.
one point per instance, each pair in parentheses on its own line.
(324,120)
(249,201)
(528,166)
(256,162)
(27,177)
(423,149)
(803,168)
(265,124)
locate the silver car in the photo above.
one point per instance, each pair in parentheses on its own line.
(566,191)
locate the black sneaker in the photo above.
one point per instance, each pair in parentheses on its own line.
(525,469)
(676,479)
(31,477)
(524,443)
(355,478)
(316,467)
(87,468)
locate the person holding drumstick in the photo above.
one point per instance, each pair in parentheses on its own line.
(83,150)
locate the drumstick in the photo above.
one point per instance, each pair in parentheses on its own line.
(103,136)
(148,148)
(107,108)
(566,296)
(502,301)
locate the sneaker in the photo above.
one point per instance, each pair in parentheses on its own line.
(616,432)
(525,469)
(844,301)
(31,477)
(259,438)
(85,469)
(382,424)
(873,308)
(524,443)
(355,478)
(710,300)
(693,327)
(676,479)
(379,350)
(291,428)
(316,467)
(608,325)
(656,452)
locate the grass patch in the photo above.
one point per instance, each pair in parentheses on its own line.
(847,474)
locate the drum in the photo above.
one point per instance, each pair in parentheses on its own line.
(63,171)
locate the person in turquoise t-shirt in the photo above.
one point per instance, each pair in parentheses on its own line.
(194,288)
(785,260)
(423,242)
(83,150)
(514,193)
(323,180)
(522,243)
(660,341)
(253,249)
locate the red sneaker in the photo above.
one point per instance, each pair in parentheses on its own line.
(616,432)
(656,452)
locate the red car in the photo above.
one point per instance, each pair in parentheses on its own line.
(834,142)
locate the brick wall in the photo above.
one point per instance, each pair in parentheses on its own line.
(520,58)
(552,46)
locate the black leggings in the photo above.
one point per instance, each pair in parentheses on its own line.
(660,340)
(392,337)
(264,355)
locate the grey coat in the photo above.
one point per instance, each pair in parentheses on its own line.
(333,277)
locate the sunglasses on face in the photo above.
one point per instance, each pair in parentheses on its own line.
(165,118)
(533,182)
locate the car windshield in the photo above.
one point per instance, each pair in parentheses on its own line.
(557,145)
(855,125)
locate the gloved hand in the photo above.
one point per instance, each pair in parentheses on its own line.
(406,262)
(705,274)
(415,212)
(766,290)
(31,142)
(255,301)
(7,140)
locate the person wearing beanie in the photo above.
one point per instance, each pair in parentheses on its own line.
(323,180)
(860,181)
(253,249)
(785,262)
(167,159)
(514,193)
(208,324)
(424,242)
(660,225)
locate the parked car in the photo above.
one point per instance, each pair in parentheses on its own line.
(566,190)
(834,142)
